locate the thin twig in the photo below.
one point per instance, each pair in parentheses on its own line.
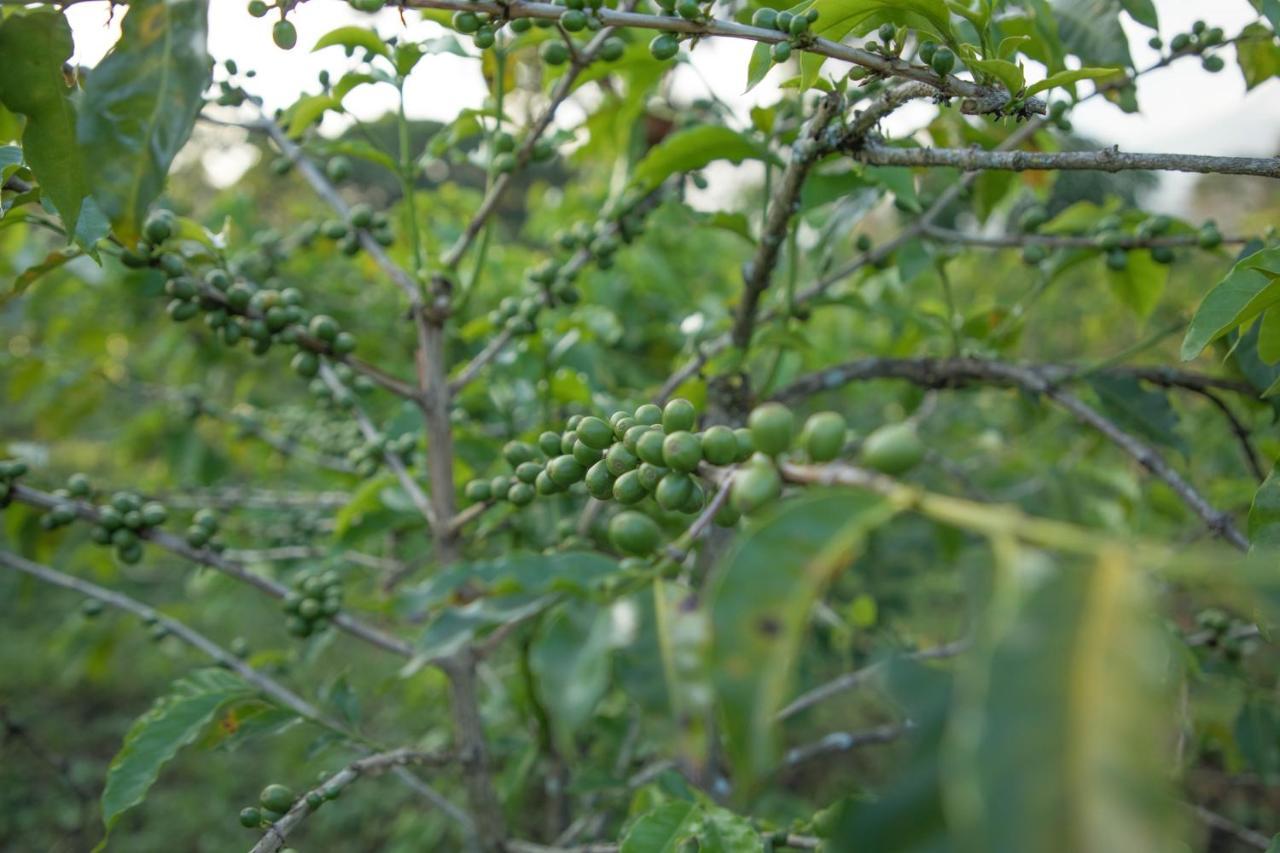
(1065,241)
(1216,821)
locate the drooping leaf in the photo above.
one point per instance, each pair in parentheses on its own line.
(308,110)
(174,721)
(760,600)
(758,66)
(1264,514)
(1249,289)
(52,261)
(34,46)
(694,148)
(1069,666)
(140,104)
(661,830)
(353,37)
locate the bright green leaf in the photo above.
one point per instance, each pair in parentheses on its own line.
(661,830)
(353,37)
(1066,78)
(1258,54)
(694,148)
(1247,291)
(1142,11)
(1140,284)
(308,110)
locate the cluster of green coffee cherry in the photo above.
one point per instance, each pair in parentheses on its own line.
(1201,38)
(314,600)
(578,16)
(283,32)
(121,522)
(552,282)
(938,57)
(10,471)
(361,217)
(238,310)
(795,25)
(230,95)
(274,802)
(1222,629)
(654,452)
(203,531)
(1108,235)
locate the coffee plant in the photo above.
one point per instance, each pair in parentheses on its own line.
(612,468)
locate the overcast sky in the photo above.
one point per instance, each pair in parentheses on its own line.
(1184,110)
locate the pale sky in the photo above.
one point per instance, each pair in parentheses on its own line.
(1185,110)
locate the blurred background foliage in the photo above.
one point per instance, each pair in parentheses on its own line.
(94,378)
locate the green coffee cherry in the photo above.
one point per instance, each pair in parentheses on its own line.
(673,490)
(1034,253)
(754,486)
(726,516)
(893,449)
(78,485)
(664,46)
(549,443)
(599,481)
(573,20)
(649,447)
(565,470)
(719,445)
(257,8)
(634,533)
(91,608)
(594,433)
(764,18)
(648,415)
(466,22)
(521,494)
(781,52)
(772,427)
(628,489)
(527,472)
(620,460)
(746,444)
(943,61)
(612,49)
(277,798)
(250,818)
(824,436)
(1117,260)
(681,451)
(588,456)
(554,52)
(678,415)
(547,486)
(284,34)
(517,452)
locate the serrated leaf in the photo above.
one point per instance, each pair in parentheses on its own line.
(34,46)
(1066,78)
(353,37)
(1249,289)
(694,148)
(760,599)
(174,721)
(140,104)
(661,830)
(1264,513)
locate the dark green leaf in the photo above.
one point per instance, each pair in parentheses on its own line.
(1264,514)
(1142,11)
(570,659)
(1258,736)
(34,46)
(1249,289)
(174,721)
(140,103)
(1138,408)
(1091,30)
(760,600)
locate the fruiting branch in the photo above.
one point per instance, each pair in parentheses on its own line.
(1105,160)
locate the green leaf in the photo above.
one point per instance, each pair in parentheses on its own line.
(661,830)
(1008,73)
(1140,284)
(308,110)
(760,600)
(1091,30)
(1138,408)
(353,37)
(34,46)
(10,160)
(1269,336)
(1264,514)
(1248,290)
(1257,732)
(1070,666)
(758,66)
(694,148)
(570,660)
(140,104)
(1258,55)
(1142,11)
(1271,9)
(722,831)
(838,18)
(1066,78)
(52,261)
(174,721)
